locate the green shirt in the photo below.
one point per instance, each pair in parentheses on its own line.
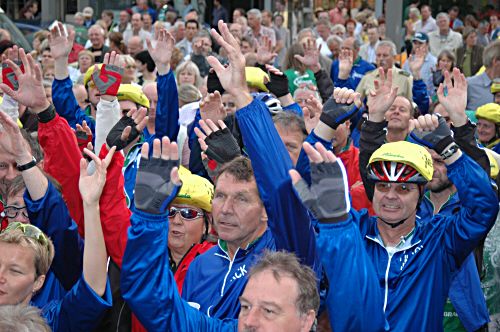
(295,79)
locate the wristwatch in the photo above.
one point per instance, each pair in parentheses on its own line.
(450,151)
(27,166)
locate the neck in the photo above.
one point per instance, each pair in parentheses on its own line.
(392,236)
(439,198)
(151,126)
(444,32)
(232,247)
(177,254)
(490,72)
(396,135)
(256,28)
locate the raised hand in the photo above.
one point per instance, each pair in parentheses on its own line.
(340,108)
(30,92)
(346,61)
(91,185)
(380,100)
(60,42)
(157,182)
(108,77)
(311,55)
(278,82)
(327,197)
(312,113)
(127,129)
(162,53)
(265,54)
(8,76)
(211,107)
(416,62)
(12,142)
(217,143)
(456,99)
(433,132)
(83,135)
(231,77)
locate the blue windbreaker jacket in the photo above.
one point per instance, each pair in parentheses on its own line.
(415,280)
(214,281)
(359,69)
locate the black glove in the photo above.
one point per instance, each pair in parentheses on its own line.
(334,114)
(437,139)
(154,190)
(114,136)
(213,83)
(222,146)
(328,196)
(278,85)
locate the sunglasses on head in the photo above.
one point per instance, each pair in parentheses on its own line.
(186,212)
(401,188)
(30,231)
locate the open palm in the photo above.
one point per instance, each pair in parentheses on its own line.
(91,186)
(455,101)
(60,43)
(383,96)
(162,52)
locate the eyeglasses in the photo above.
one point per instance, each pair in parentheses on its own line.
(186,213)
(30,231)
(401,188)
(229,105)
(12,211)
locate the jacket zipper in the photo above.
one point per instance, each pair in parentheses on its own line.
(231,261)
(386,293)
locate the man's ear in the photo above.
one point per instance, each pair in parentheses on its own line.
(38,283)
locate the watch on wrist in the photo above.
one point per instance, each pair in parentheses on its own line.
(450,151)
(27,166)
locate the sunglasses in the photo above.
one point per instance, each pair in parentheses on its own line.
(186,213)
(401,188)
(12,211)
(30,231)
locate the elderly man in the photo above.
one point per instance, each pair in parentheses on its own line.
(427,23)
(137,29)
(444,38)
(97,47)
(257,30)
(367,50)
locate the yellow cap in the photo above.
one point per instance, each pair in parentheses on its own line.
(88,74)
(133,93)
(196,190)
(490,112)
(406,153)
(495,86)
(256,78)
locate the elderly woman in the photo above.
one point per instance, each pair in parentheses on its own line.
(188,73)
(470,55)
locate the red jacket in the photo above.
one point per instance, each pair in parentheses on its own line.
(350,159)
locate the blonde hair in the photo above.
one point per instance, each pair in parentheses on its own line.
(191,67)
(44,254)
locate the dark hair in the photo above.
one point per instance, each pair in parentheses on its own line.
(240,168)
(285,264)
(145,58)
(193,21)
(108,13)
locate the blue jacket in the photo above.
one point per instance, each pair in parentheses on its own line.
(66,105)
(166,124)
(51,215)
(359,69)
(415,279)
(214,281)
(80,309)
(466,293)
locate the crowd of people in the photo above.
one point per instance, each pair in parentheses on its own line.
(158,173)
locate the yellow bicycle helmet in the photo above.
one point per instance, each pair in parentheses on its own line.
(196,190)
(490,112)
(495,86)
(133,93)
(401,162)
(256,77)
(88,74)
(493,158)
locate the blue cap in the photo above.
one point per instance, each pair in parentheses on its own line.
(420,37)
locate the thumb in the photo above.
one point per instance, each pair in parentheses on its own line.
(174,175)
(6,89)
(299,57)
(295,176)
(83,167)
(216,65)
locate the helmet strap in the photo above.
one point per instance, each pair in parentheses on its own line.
(396,224)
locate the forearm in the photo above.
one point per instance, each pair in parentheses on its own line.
(107,115)
(372,137)
(167,110)
(36,182)
(94,254)
(325,84)
(61,68)
(464,137)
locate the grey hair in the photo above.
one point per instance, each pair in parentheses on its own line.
(414,10)
(442,14)
(332,39)
(285,264)
(338,27)
(388,43)
(97,26)
(22,318)
(79,14)
(490,53)
(257,13)
(290,121)
(188,93)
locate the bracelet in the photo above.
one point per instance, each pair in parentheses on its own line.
(27,166)
(47,114)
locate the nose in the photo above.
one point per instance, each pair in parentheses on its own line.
(176,219)
(251,320)
(227,206)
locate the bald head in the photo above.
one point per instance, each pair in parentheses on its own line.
(135,45)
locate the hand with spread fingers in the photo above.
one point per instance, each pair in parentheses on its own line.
(30,92)
(380,100)
(311,55)
(416,62)
(217,142)
(8,75)
(311,114)
(212,108)
(108,77)
(455,101)
(339,108)
(127,129)
(157,182)
(60,42)
(91,185)
(83,135)
(231,77)
(346,61)
(265,54)
(162,52)
(328,196)
(12,141)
